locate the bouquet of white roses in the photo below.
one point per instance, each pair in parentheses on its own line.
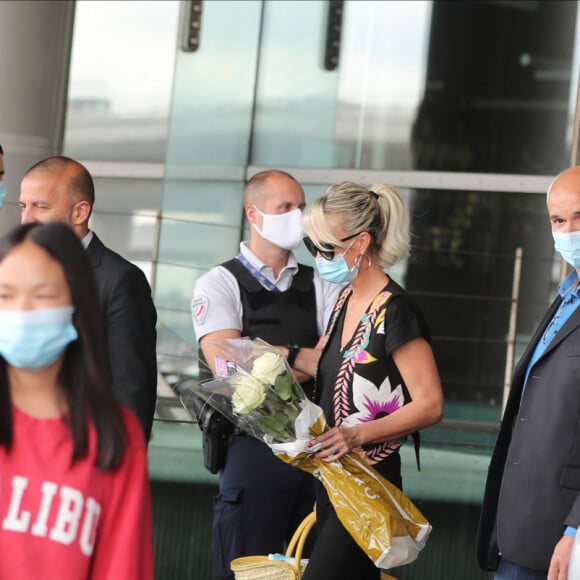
(259,394)
(257,391)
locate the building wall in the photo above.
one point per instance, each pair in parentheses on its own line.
(35,40)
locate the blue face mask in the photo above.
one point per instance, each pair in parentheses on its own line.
(34,339)
(336,270)
(3,193)
(568,245)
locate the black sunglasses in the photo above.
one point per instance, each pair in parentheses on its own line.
(328,251)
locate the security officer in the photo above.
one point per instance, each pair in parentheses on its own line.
(263,292)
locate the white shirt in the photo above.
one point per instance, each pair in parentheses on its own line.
(217,305)
(87,239)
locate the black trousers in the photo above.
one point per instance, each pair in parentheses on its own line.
(260,503)
(336,555)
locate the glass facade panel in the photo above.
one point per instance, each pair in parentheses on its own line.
(131,235)
(125,218)
(201,227)
(414,89)
(204,202)
(127,196)
(197,245)
(465,241)
(504,108)
(212,103)
(120,83)
(296,105)
(461,274)
(207,152)
(179,320)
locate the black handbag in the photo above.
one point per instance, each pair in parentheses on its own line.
(217,432)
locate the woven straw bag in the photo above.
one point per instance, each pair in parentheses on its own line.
(261,568)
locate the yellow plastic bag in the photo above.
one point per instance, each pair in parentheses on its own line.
(382,520)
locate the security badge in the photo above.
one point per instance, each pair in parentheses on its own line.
(199,308)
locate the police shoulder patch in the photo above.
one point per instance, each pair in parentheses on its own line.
(199,307)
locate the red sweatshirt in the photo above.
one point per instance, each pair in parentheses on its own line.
(58,521)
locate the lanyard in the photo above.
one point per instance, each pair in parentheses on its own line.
(257,274)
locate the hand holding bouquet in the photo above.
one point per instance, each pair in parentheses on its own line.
(256,391)
(259,394)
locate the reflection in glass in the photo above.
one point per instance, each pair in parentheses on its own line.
(207,151)
(445,86)
(125,217)
(461,273)
(505,108)
(213,92)
(120,83)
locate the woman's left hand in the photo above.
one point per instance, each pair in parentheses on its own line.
(334,443)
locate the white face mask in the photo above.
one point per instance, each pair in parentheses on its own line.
(284,230)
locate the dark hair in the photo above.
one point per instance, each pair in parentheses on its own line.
(80,183)
(85,377)
(1,150)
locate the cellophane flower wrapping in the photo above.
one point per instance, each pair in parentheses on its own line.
(257,391)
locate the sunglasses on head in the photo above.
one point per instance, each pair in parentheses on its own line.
(327,252)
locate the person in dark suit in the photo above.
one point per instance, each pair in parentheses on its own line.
(531,505)
(61,189)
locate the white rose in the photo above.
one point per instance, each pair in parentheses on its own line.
(268,366)
(248,393)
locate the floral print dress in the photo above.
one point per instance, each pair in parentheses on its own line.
(361,382)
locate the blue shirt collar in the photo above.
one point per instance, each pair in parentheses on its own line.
(570,285)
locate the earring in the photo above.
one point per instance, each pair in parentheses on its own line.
(358,260)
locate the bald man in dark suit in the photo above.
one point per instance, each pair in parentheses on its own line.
(531,507)
(61,189)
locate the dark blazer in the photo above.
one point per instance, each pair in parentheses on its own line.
(533,484)
(130,319)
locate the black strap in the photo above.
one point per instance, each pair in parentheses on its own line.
(417,443)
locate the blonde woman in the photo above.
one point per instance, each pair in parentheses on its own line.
(376,376)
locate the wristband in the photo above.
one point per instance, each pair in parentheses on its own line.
(292,353)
